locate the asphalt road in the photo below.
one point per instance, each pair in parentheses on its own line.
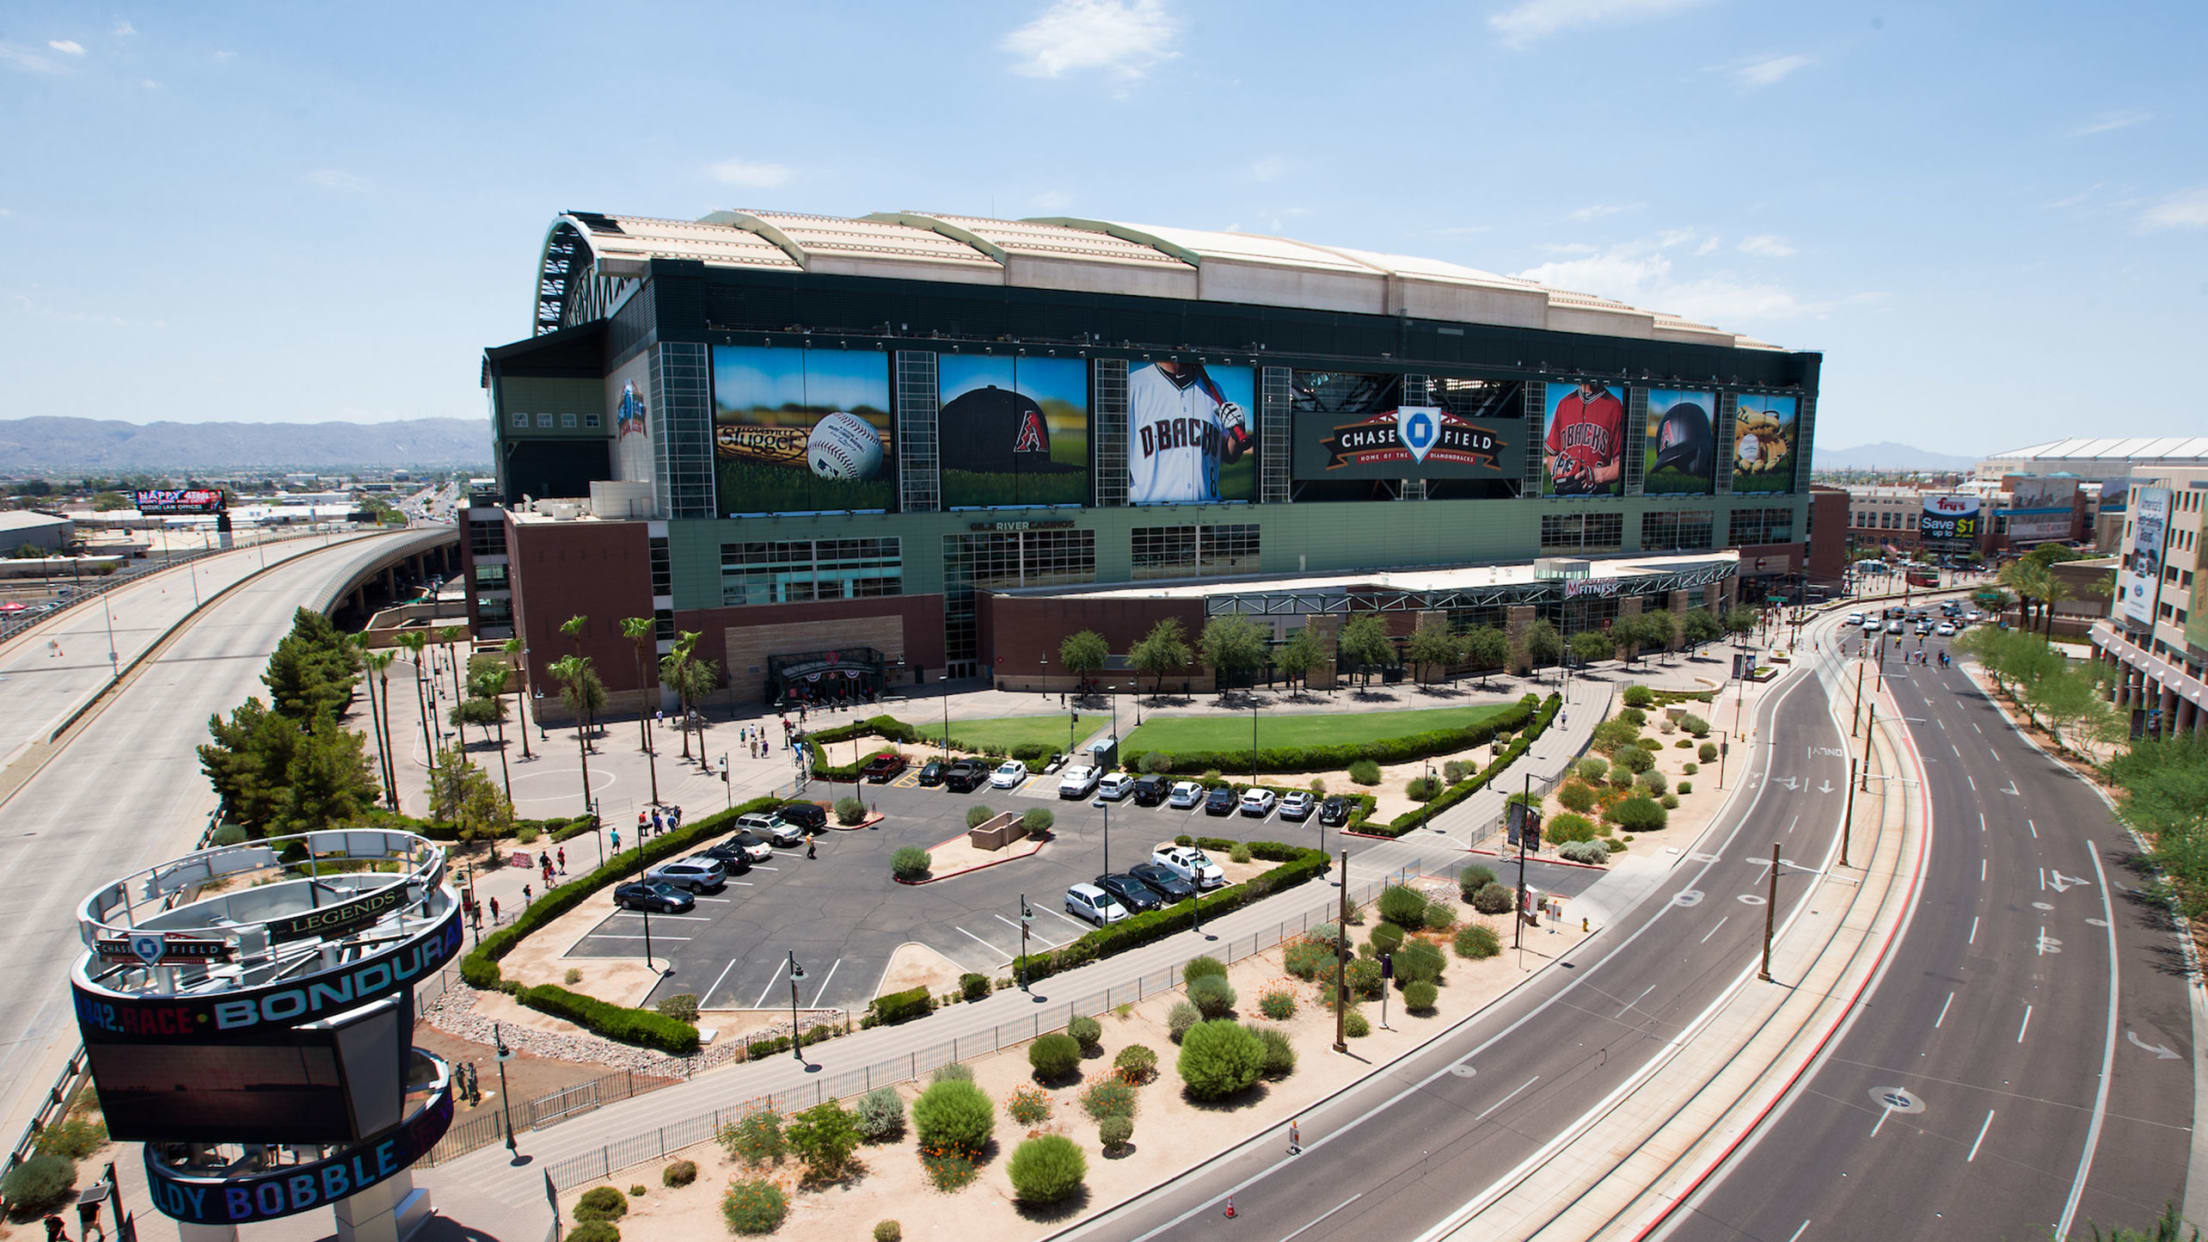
(1995,1018)
(127,792)
(844,917)
(1396,1155)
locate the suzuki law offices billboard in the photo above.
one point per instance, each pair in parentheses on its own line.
(1763,443)
(1681,444)
(801,430)
(1949,523)
(2142,569)
(1191,437)
(1013,432)
(190,500)
(1582,453)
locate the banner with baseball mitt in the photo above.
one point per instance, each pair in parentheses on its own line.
(801,430)
(1763,443)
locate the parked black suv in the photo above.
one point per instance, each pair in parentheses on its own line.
(809,816)
(1334,812)
(1170,886)
(965,775)
(1133,893)
(1151,790)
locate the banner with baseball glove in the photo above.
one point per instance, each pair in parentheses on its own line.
(1681,444)
(802,430)
(1763,443)
(1583,452)
(1012,432)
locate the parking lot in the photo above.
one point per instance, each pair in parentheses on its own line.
(843,916)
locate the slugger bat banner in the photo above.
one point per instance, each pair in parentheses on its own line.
(802,430)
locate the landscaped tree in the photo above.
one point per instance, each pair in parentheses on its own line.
(416,642)
(450,636)
(1699,626)
(583,693)
(520,654)
(246,762)
(1485,648)
(378,681)
(1365,645)
(691,679)
(1739,620)
(1083,654)
(1541,644)
(1589,646)
(461,794)
(1162,651)
(489,683)
(1297,657)
(1657,630)
(1431,644)
(312,669)
(644,632)
(327,781)
(1233,649)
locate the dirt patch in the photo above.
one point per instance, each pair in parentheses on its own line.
(528,1076)
(960,855)
(915,965)
(541,957)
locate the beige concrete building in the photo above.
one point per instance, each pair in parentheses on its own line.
(2156,634)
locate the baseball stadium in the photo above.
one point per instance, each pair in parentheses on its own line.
(889,450)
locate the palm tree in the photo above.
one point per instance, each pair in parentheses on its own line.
(448,636)
(521,698)
(673,674)
(415,642)
(491,684)
(573,627)
(575,675)
(641,631)
(378,681)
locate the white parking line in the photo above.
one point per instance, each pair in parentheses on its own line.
(719,980)
(1030,931)
(720,901)
(824,983)
(1713,931)
(983,943)
(779,967)
(1982,1128)
(684,918)
(1635,1001)
(1322,1216)
(1943,1011)
(1069,919)
(654,939)
(1796,1236)
(2034,827)
(2025,1025)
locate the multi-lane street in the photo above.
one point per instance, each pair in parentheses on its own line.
(1399,1154)
(2025,1065)
(127,791)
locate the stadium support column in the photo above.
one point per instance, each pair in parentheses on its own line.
(1516,619)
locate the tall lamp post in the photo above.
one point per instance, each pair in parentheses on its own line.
(1025,915)
(505,1097)
(797,1045)
(1107,843)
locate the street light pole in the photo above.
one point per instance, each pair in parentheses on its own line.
(505,1097)
(1025,915)
(797,1045)
(1107,839)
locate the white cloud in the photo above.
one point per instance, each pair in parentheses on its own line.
(1053,200)
(337,180)
(2186,209)
(1269,168)
(2074,200)
(148,84)
(2104,122)
(224,58)
(1459,230)
(67,47)
(1598,210)
(749,175)
(1767,245)
(123,29)
(1121,37)
(1533,20)
(26,60)
(1640,273)
(1771,70)
(1708,246)
(1670,238)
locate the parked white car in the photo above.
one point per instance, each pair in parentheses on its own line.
(1186,794)
(1189,863)
(1087,901)
(1946,629)
(1258,802)
(1114,786)
(1008,774)
(1076,781)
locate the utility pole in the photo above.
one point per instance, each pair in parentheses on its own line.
(1770,914)
(1847,820)
(1341,965)
(1857,723)
(1525,822)
(1870,718)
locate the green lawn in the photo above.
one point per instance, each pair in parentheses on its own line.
(1006,732)
(1193,733)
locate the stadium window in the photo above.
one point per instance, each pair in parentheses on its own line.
(590,420)
(568,421)
(544,422)
(521,421)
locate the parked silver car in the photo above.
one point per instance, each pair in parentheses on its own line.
(698,873)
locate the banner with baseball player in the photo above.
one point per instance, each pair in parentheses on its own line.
(801,430)
(1012,432)
(1583,452)
(1191,434)
(1681,443)
(1763,443)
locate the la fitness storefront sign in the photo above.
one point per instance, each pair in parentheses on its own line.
(304,1187)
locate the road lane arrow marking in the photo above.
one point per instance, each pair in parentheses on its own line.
(2162,1052)
(1825,788)
(2057,881)
(1792,783)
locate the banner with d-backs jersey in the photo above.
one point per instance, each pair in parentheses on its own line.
(1191,433)
(1012,432)
(1583,450)
(1681,443)
(801,430)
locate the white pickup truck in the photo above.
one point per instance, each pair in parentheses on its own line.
(1077,781)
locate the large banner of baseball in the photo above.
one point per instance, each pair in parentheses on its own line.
(802,430)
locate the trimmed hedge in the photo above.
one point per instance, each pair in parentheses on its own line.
(891,1008)
(1297,865)
(558,828)
(616,1022)
(1402,749)
(1466,788)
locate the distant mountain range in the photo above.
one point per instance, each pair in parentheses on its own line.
(99,444)
(1887,455)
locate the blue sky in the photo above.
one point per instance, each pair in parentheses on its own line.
(1980,212)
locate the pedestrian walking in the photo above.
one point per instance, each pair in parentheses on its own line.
(617,840)
(812,848)
(544,861)
(641,820)
(675,817)
(524,896)
(563,860)
(659,824)
(88,1221)
(548,877)
(494,911)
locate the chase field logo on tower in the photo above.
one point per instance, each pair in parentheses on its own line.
(629,418)
(1417,434)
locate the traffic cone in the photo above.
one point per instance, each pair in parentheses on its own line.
(1230,1207)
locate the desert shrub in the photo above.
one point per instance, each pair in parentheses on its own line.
(1419,962)
(1419,997)
(1404,907)
(1136,1063)
(1695,724)
(1156,763)
(1440,916)
(755,1138)
(601,1203)
(1422,789)
(888,1231)
(1640,697)
(1109,1097)
(1592,768)
(75,1138)
(1669,802)
(1047,1169)
(1566,827)
(682,1008)
(1576,796)
(979,814)
(954,1115)
(1054,1056)
(594,1231)
(1219,1059)
(1478,941)
(573,976)
(1685,743)
(680,1173)
(1356,1025)
(952,1071)
(850,812)
(881,1115)
(1594,852)
(228,834)
(754,1207)
(39,1183)
(1654,783)
(1318,786)
(1614,735)
(1685,787)
(1707,752)
(1634,716)
(1365,982)
(1455,770)
(1280,1055)
(1621,777)
(1179,1019)
(1115,1132)
(824,1136)
(527,834)
(1473,879)
(1495,899)
(1365,772)
(1279,1004)
(1087,1032)
(1028,1106)
(1201,965)
(1307,959)
(1239,852)
(1328,934)
(1386,936)
(973,985)
(910,862)
(1689,768)
(1635,758)
(949,1169)
(1639,815)
(1212,995)
(1038,820)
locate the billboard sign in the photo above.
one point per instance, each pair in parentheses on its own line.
(1583,449)
(1407,442)
(1681,444)
(802,430)
(1013,432)
(1763,443)
(2141,576)
(2196,618)
(628,419)
(1189,436)
(1949,521)
(191,500)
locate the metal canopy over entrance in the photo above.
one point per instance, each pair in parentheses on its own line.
(844,675)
